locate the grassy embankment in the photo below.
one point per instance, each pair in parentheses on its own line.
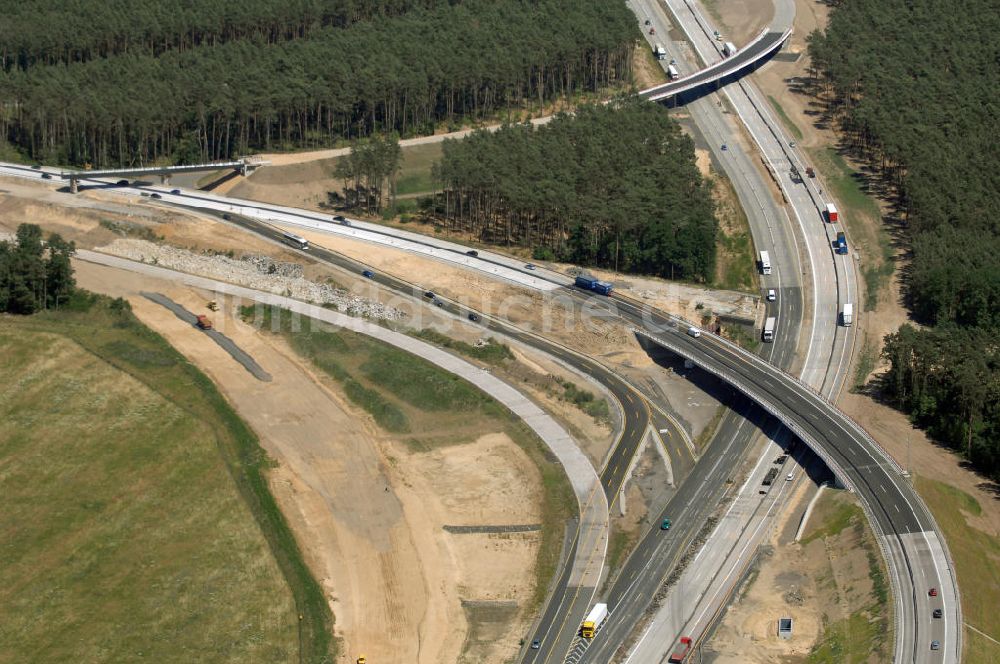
(977,563)
(426,408)
(137,520)
(863,635)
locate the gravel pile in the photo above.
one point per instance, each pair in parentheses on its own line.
(267,265)
(254,271)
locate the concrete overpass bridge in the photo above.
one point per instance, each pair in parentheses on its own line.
(243,166)
(910,540)
(711,78)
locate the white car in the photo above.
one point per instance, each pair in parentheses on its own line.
(771,295)
(694,332)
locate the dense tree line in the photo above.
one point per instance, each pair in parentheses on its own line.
(65,31)
(35,274)
(371,166)
(402,73)
(614,186)
(915,86)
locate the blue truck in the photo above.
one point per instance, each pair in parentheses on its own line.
(841,243)
(592,284)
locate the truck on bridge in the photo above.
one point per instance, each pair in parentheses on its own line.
(593,621)
(590,283)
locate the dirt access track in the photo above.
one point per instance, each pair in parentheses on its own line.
(369,513)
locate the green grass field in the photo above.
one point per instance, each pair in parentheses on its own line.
(787,121)
(977,564)
(427,408)
(415,171)
(137,523)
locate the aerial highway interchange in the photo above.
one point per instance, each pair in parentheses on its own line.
(791,385)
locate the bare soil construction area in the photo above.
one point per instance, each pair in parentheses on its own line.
(830,584)
(369,512)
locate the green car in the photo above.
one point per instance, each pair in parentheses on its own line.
(665,525)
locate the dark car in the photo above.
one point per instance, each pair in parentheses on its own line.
(529,266)
(937,613)
(472,252)
(155,195)
(345,222)
(46,176)
(429,294)
(175,192)
(439,303)
(725,147)
(536,644)
(474,317)
(665,525)
(339,217)
(122,183)
(368,273)
(226,216)
(935,645)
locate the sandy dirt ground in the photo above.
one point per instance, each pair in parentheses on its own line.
(368,513)
(740,20)
(812,583)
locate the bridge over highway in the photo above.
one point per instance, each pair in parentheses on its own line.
(243,166)
(902,523)
(746,59)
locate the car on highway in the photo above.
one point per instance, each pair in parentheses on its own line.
(155,195)
(472,252)
(175,192)
(368,273)
(536,644)
(345,222)
(791,144)
(648,22)
(226,216)
(652,31)
(339,217)
(122,183)
(937,613)
(932,592)
(46,176)
(438,303)
(665,525)
(694,332)
(771,295)
(529,266)
(429,294)
(724,147)
(935,645)
(474,317)
(788,477)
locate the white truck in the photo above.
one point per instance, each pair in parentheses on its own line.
(673,73)
(728,49)
(594,620)
(769,326)
(765,263)
(659,52)
(847,314)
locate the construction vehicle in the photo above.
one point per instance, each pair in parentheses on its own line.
(678,655)
(203,322)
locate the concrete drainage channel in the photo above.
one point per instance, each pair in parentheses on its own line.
(224,342)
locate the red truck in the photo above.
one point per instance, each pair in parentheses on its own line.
(204,323)
(679,655)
